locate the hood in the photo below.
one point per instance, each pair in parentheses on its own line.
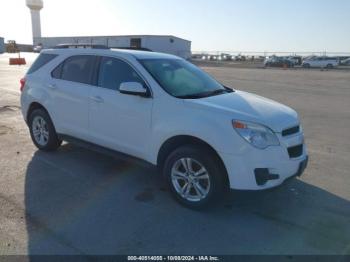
(249,107)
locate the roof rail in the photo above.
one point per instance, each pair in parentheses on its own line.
(92,46)
(135,48)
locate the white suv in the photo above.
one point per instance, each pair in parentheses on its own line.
(323,62)
(203,136)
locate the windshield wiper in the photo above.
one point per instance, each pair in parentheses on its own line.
(205,94)
(217,92)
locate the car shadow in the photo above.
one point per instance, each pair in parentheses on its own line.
(82,202)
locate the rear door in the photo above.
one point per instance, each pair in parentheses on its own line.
(71,88)
(119,121)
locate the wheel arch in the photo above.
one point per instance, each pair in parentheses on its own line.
(33,106)
(181,140)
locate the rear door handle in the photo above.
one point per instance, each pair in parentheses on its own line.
(97,99)
(52,86)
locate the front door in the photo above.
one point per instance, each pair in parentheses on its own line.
(118,121)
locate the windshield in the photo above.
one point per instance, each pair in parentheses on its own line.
(182,79)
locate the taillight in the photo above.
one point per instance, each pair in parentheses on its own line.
(23,82)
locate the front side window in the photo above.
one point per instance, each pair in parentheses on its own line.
(182,79)
(78,69)
(113,72)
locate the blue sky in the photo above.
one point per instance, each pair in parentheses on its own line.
(231,25)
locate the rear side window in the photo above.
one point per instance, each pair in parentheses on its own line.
(76,69)
(42,60)
(114,72)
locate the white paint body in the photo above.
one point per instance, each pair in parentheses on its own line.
(139,126)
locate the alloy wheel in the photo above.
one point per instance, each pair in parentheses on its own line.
(190,179)
(40,130)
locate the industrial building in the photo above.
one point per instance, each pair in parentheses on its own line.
(2,45)
(157,43)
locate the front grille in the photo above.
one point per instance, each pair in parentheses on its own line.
(295,151)
(291,131)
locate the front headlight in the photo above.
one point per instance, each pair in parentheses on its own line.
(257,135)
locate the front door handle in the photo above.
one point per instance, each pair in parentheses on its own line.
(97,99)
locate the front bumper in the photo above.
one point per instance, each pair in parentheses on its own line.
(263,169)
(263,175)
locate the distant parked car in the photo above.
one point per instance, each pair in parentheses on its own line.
(210,57)
(297,60)
(240,58)
(197,56)
(37,48)
(225,57)
(345,61)
(275,61)
(259,58)
(323,62)
(205,57)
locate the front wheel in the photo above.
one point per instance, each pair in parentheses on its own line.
(195,176)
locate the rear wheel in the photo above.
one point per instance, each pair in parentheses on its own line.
(195,176)
(42,131)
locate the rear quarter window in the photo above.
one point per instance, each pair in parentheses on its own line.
(42,60)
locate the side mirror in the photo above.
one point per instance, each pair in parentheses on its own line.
(133,88)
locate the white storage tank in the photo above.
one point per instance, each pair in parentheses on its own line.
(35,6)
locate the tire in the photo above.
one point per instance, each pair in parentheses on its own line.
(42,131)
(329,66)
(203,189)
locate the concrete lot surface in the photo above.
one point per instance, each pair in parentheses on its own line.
(75,201)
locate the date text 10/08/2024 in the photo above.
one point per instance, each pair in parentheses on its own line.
(173,258)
